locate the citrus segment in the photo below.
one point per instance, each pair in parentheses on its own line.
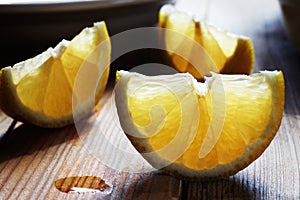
(40,90)
(200,130)
(229,53)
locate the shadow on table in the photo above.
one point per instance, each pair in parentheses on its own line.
(27,139)
(162,186)
(226,188)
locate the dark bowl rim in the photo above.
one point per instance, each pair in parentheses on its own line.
(71,5)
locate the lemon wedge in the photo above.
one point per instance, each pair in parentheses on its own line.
(228,53)
(197,130)
(40,90)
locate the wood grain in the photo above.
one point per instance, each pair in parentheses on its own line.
(33,158)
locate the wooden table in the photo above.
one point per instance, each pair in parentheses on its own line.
(32,158)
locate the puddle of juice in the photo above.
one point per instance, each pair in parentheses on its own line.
(83,184)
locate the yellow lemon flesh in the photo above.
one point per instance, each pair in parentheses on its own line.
(40,90)
(229,53)
(197,130)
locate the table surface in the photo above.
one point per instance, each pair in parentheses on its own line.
(32,158)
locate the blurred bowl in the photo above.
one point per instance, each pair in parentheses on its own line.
(291,17)
(29,27)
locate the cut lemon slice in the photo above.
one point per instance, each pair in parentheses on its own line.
(229,53)
(197,130)
(40,90)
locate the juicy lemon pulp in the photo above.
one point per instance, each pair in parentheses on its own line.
(193,129)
